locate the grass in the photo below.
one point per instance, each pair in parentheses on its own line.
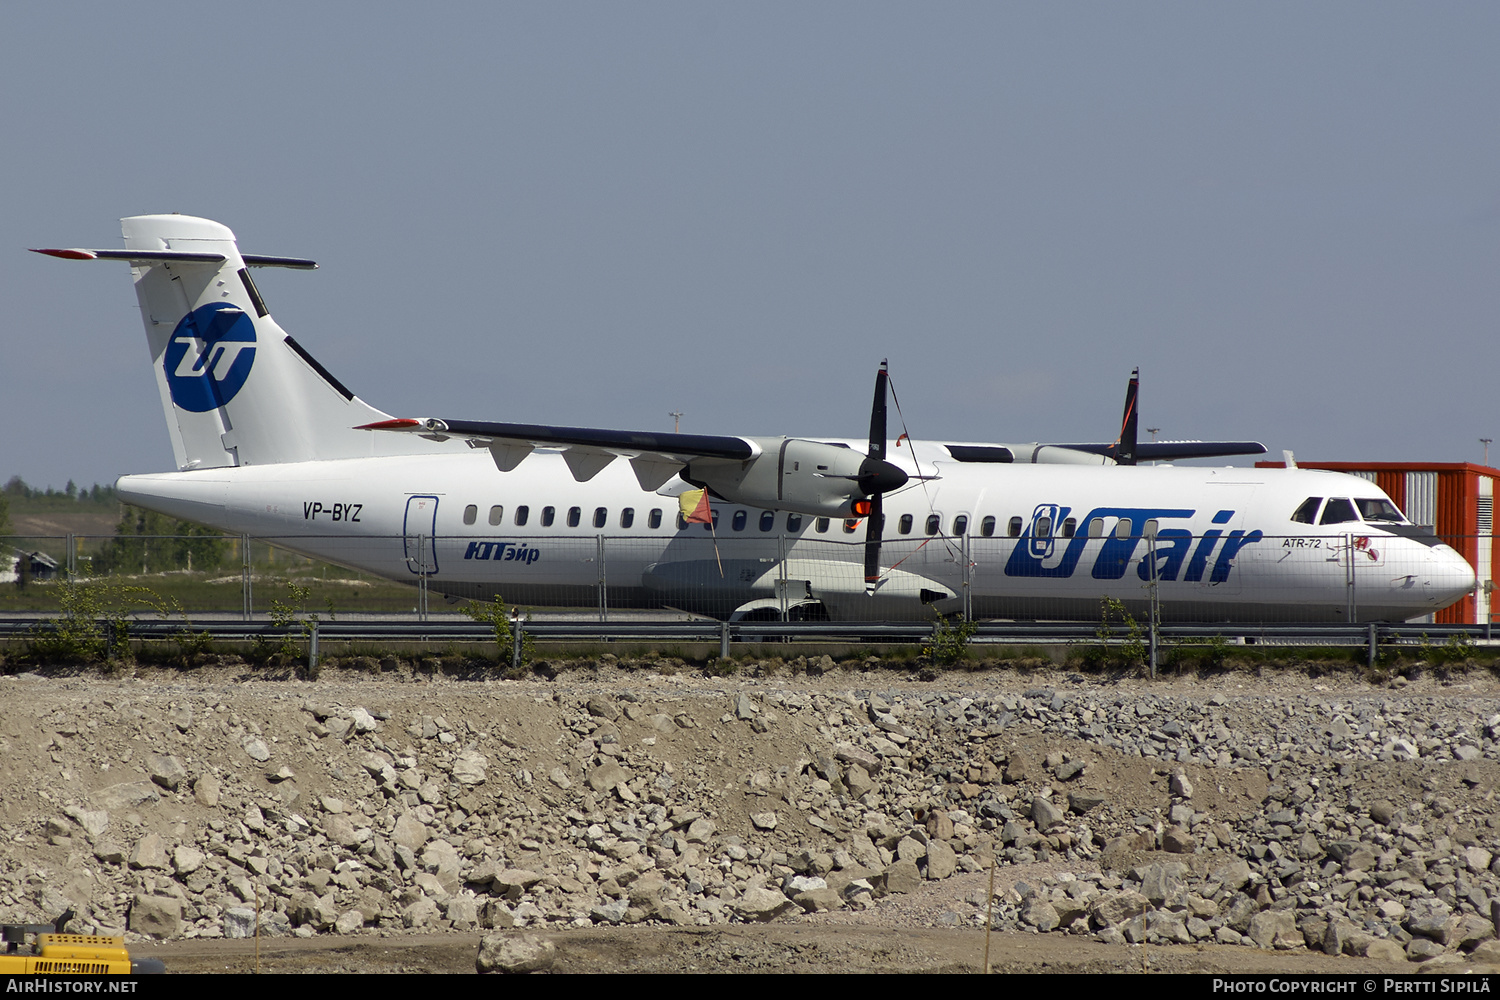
(217,590)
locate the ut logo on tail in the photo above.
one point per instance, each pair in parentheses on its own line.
(209,356)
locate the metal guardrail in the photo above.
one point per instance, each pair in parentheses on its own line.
(985,633)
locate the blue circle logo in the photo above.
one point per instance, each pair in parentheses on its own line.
(209,356)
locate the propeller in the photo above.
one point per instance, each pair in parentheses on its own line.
(876,478)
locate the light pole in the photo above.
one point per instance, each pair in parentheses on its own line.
(1486,443)
(676,416)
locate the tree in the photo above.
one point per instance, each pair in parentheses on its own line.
(177,545)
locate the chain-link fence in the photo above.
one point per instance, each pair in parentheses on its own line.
(1166,576)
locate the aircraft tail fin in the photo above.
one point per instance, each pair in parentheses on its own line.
(235,388)
(1126,444)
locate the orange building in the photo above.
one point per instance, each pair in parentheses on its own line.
(1455,499)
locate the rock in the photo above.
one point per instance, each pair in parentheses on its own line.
(1114,908)
(469,768)
(1181,786)
(348,922)
(602,708)
(363,721)
(186,860)
(515,953)
(257,750)
(1084,802)
(763,820)
(818,900)
(239,922)
(1177,840)
(606,777)
(1045,814)
(167,771)
(410,832)
(902,876)
(942,861)
(158,916)
(1040,914)
(149,852)
(762,904)
(1385,950)
(206,790)
(93,821)
(1275,929)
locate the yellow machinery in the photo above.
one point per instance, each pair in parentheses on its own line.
(68,954)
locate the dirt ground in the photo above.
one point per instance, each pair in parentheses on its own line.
(895,935)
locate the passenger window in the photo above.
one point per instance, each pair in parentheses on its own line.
(739,520)
(850,523)
(794,523)
(934,522)
(653,521)
(767,520)
(627,517)
(681,521)
(960,524)
(1070,525)
(601,516)
(1150,529)
(575,514)
(1123,527)
(549,514)
(904,525)
(987,527)
(522,513)
(1013,529)
(1044,527)
(821,526)
(713,516)
(471,514)
(497,515)
(1338,511)
(1096,527)
(1308,512)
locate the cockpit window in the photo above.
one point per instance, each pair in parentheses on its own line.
(1373,509)
(1308,512)
(1338,511)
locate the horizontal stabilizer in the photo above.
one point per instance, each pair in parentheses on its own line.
(179,257)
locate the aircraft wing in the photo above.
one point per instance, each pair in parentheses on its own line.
(654,457)
(1167,451)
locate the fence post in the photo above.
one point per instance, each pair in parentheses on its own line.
(1371,661)
(515,638)
(1155,610)
(246,566)
(422,578)
(72,557)
(603,583)
(1349,576)
(781,571)
(723,640)
(968,580)
(312,648)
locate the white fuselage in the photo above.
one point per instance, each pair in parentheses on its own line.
(1062,539)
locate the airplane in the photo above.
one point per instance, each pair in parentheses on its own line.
(268,443)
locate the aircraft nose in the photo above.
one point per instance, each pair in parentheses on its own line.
(1449,576)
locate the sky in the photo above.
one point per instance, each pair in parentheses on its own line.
(1286,214)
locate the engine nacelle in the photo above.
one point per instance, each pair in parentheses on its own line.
(808,477)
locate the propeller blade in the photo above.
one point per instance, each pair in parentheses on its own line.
(877,414)
(873,529)
(876,476)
